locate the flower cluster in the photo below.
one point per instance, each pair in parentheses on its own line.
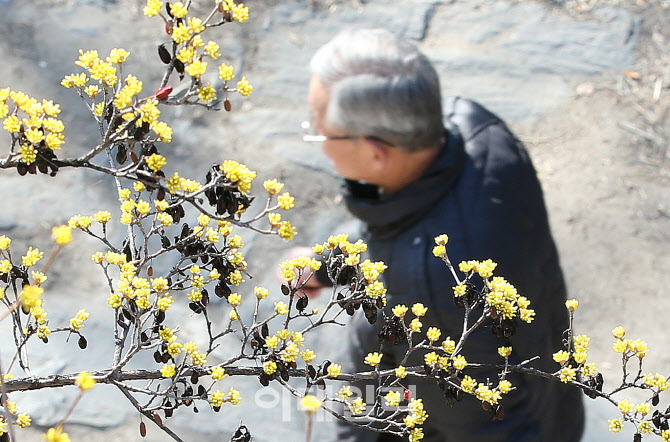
(238,174)
(191,55)
(292,268)
(33,124)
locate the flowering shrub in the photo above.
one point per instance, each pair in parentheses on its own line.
(207,259)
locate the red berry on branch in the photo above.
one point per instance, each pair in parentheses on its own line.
(163,92)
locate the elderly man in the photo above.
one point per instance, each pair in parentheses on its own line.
(414,168)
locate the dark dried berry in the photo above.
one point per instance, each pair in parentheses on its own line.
(301,305)
(164,54)
(143,429)
(158,419)
(264,379)
(226,105)
(179,66)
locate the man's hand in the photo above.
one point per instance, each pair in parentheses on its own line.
(312,287)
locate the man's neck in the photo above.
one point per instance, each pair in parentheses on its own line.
(405,167)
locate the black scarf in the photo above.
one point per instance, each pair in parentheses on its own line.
(389,215)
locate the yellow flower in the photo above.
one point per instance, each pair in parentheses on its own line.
(286,201)
(197,68)
(211,50)
(357,406)
(181,33)
(334,370)
(419,310)
(218,373)
(178,10)
(310,403)
(272,342)
(399,310)
(415,325)
(269,367)
(207,94)
(619,332)
(162,130)
(168,370)
(234,396)
(643,409)
(572,304)
(345,392)
(392,398)
(156,162)
(400,372)
(118,56)
(216,399)
(12,124)
(103,216)
(85,381)
(261,292)
(234,299)
(441,240)
(459,362)
(430,358)
(273,186)
(589,370)
(567,374)
(62,235)
(226,72)
(31,296)
(505,386)
(373,359)
(308,356)
(448,345)
(153,8)
(561,357)
(238,173)
(439,251)
(56,435)
(5,242)
(644,427)
(616,425)
(77,322)
(485,268)
(240,12)
(281,308)
(23,420)
(433,334)
(505,352)
(195,24)
(244,87)
(287,231)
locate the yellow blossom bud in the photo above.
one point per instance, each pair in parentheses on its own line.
(85,381)
(310,403)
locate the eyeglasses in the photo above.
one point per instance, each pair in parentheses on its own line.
(310,136)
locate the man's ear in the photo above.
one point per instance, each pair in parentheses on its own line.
(380,153)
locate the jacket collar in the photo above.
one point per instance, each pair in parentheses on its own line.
(389,215)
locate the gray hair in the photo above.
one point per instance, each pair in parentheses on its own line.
(381,86)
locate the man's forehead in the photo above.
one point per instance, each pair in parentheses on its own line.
(318,95)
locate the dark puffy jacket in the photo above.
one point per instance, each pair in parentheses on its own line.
(484,193)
